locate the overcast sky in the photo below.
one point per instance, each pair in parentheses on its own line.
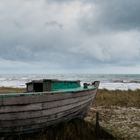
(62,36)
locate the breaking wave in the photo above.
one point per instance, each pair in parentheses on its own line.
(110,82)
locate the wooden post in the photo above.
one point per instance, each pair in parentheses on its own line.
(97,126)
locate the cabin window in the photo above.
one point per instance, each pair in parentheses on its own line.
(38,87)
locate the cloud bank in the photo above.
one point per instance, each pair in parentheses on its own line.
(69,36)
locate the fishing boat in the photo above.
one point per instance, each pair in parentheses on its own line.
(46,102)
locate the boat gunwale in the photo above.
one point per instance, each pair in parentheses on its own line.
(74,90)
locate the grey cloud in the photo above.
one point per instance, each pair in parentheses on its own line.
(59,1)
(112,15)
(104,34)
(54,24)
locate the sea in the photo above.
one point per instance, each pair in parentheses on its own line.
(107,81)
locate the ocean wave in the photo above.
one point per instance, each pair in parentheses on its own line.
(110,82)
(3,79)
(120,86)
(126,81)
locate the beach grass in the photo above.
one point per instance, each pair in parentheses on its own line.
(119,112)
(120,98)
(11,90)
(76,129)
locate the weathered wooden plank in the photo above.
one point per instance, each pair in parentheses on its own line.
(33,111)
(34,128)
(32,121)
(36,98)
(35,114)
(44,105)
(28,128)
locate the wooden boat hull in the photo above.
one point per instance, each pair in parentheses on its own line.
(25,113)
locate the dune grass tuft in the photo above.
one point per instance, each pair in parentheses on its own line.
(121,98)
(11,90)
(76,129)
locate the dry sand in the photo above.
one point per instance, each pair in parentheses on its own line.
(121,122)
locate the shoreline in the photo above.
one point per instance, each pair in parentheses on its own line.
(103,85)
(108,81)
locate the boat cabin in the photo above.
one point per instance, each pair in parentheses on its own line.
(51,85)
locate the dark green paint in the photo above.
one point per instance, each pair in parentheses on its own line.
(57,85)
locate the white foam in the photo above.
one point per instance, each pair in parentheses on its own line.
(20,80)
(19,84)
(119,86)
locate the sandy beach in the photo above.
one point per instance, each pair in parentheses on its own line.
(119,113)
